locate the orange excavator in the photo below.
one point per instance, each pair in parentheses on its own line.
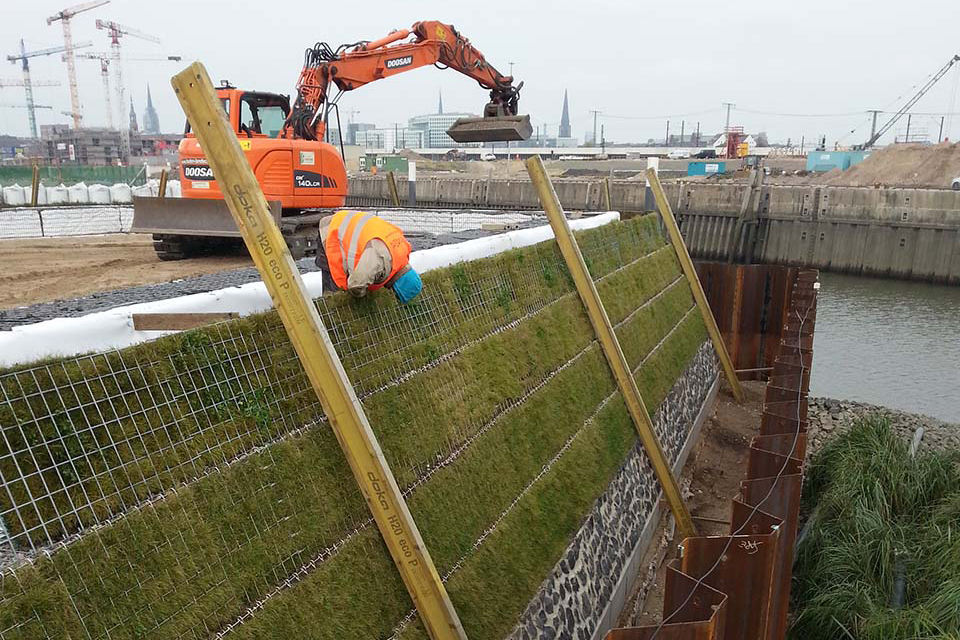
(300,172)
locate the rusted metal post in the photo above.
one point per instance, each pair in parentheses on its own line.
(609,343)
(316,352)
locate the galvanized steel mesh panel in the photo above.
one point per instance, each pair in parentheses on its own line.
(138,449)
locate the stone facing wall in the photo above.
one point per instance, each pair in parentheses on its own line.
(572,600)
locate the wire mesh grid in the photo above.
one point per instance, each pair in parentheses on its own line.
(89,437)
(89,441)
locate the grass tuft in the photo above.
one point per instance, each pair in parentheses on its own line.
(879,513)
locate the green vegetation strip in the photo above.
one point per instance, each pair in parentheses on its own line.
(198,558)
(880,515)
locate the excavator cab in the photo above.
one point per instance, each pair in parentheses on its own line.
(251,113)
(299,172)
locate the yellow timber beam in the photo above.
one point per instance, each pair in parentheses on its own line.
(609,344)
(666,212)
(317,354)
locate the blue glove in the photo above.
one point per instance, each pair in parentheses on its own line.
(407,286)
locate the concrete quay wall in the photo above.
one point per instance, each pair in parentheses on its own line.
(911,234)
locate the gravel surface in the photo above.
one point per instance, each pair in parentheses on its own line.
(828,416)
(103,300)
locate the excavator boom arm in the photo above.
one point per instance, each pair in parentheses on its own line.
(352,66)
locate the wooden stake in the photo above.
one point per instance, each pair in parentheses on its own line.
(317,354)
(609,344)
(691,273)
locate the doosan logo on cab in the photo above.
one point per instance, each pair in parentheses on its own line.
(198,172)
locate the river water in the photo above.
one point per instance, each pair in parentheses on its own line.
(889,343)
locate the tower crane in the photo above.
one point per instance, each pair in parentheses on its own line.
(24,59)
(6,82)
(116,31)
(104,59)
(876,134)
(64,17)
(4,105)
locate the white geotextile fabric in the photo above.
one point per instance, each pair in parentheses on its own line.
(113,329)
(75,221)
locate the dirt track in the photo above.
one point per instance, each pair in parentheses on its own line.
(45,269)
(714,471)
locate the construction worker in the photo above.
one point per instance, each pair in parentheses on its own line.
(358,252)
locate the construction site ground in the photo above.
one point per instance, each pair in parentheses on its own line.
(77,275)
(44,269)
(711,478)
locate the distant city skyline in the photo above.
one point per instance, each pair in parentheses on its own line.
(799,88)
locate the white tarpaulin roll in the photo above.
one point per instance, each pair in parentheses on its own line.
(113,329)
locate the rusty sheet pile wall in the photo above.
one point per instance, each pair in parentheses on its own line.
(190,487)
(738,585)
(751,304)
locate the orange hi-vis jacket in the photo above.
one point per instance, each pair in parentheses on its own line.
(349,233)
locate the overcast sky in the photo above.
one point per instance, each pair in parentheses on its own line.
(637,62)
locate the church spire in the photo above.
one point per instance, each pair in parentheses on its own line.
(151,122)
(133,117)
(565,118)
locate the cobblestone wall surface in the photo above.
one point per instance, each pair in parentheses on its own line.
(571,601)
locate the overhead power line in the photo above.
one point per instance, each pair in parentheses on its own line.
(672,115)
(800,115)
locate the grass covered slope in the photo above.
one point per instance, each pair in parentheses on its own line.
(880,515)
(230,500)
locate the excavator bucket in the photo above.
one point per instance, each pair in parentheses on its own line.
(491,129)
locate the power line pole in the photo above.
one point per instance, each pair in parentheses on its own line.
(940,135)
(595,114)
(728,105)
(697,136)
(682,125)
(666,138)
(907,138)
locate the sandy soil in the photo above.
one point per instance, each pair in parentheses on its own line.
(899,165)
(44,269)
(713,473)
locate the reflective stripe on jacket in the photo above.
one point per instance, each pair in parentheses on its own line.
(349,233)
